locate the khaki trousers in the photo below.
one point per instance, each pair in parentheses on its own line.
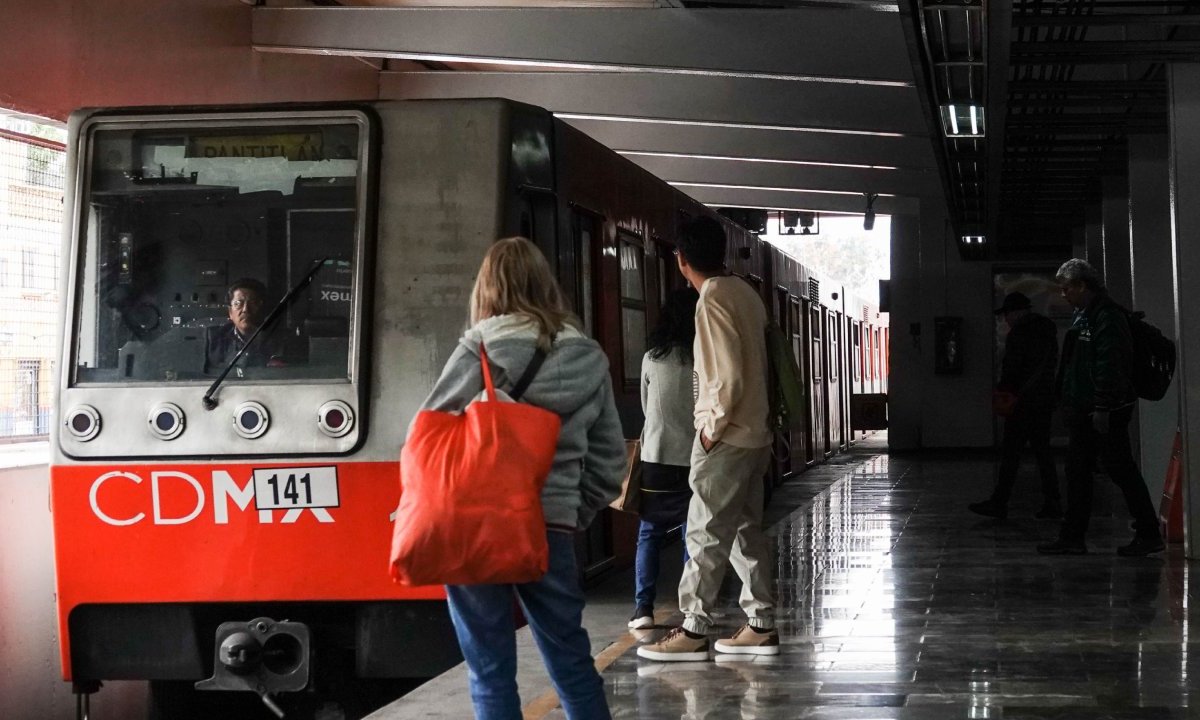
(724,524)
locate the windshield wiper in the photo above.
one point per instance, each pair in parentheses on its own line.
(209,401)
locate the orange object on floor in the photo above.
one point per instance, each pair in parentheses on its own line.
(1170,510)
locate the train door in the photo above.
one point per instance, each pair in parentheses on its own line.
(833,341)
(817,363)
(856,328)
(801,443)
(783,440)
(593,547)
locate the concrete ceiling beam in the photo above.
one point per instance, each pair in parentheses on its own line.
(811,44)
(861,110)
(908,153)
(831,180)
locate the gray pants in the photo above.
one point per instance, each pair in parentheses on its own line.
(725,524)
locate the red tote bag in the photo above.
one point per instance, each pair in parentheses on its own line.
(470,508)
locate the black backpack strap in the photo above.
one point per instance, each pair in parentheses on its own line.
(535,364)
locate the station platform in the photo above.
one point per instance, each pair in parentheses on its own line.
(895,602)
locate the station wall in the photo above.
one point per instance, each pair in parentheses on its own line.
(63,54)
(928,409)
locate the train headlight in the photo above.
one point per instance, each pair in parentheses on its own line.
(251,420)
(83,422)
(166,421)
(335,418)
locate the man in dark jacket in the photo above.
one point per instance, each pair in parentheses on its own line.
(1098,399)
(1030,358)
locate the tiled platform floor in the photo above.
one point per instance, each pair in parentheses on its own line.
(895,602)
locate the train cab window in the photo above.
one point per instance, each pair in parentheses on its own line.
(632,255)
(196,232)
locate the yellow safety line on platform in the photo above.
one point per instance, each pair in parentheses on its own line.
(547,701)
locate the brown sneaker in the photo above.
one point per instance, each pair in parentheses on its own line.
(676,646)
(748,641)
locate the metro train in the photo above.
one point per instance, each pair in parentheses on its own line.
(227,526)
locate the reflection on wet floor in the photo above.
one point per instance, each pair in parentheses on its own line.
(895,602)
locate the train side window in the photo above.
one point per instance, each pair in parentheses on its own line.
(190,223)
(833,348)
(632,255)
(817,360)
(857,351)
(797,336)
(585,228)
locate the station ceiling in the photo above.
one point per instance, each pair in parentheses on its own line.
(802,104)
(795,105)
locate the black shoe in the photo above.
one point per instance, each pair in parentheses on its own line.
(1063,547)
(989,508)
(1142,546)
(1050,511)
(642,618)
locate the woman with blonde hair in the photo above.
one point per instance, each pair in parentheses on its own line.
(517,313)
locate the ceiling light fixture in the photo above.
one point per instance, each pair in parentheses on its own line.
(961,120)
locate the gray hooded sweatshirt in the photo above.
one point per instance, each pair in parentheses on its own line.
(573,382)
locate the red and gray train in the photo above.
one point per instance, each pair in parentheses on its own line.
(234,532)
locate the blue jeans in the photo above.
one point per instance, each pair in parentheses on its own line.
(650,539)
(483,620)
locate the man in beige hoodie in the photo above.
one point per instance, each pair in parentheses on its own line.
(729,457)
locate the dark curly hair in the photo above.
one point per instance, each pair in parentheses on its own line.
(676,325)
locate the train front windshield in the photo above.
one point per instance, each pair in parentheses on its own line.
(191,237)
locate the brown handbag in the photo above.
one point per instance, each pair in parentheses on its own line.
(630,498)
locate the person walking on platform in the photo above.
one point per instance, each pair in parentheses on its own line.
(668,402)
(1098,399)
(516,309)
(1027,374)
(729,457)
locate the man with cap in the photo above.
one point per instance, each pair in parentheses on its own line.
(1027,373)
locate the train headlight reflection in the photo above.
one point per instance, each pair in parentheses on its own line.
(166,421)
(251,420)
(335,418)
(83,422)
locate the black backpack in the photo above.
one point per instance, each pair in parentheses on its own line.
(1153,358)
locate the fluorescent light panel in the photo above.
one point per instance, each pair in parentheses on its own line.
(732,158)
(962,120)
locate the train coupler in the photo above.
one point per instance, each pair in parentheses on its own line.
(260,656)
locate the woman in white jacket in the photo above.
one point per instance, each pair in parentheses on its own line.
(668,400)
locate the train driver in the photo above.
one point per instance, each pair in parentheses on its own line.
(245,300)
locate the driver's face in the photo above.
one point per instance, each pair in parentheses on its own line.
(245,310)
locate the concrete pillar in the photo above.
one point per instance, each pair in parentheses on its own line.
(1093,234)
(911,338)
(1078,243)
(1184,83)
(1115,218)
(1153,289)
